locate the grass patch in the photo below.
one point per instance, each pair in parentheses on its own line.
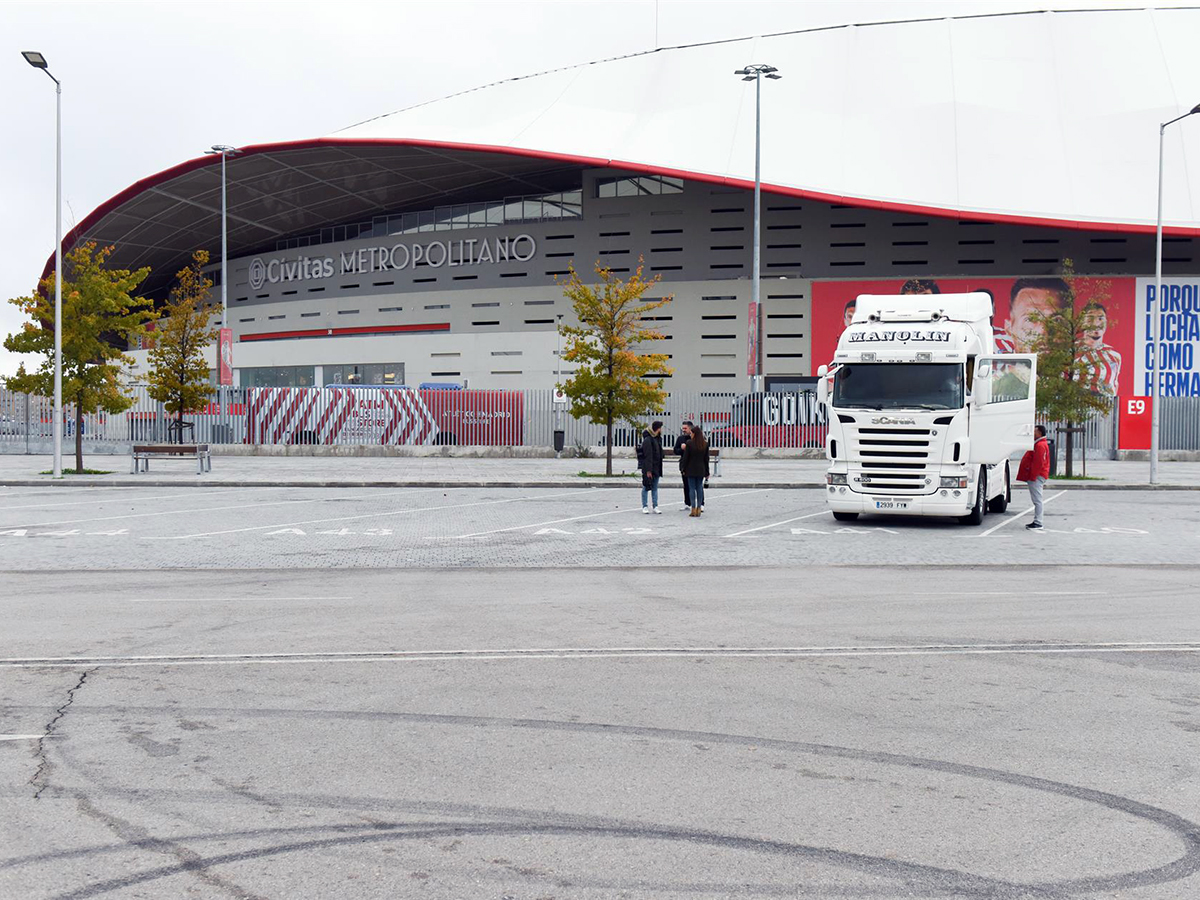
(78,472)
(583,474)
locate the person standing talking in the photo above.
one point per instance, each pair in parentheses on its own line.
(680,442)
(695,468)
(650,461)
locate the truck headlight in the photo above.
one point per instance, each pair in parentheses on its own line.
(954,481)
(834,478)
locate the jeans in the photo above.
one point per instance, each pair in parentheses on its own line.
(653,491)
(1035,494)
(696,489)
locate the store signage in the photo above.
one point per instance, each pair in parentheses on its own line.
(434,254)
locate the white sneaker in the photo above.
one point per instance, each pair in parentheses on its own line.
(701,507)
(645,510)
(686,507)
(657,511)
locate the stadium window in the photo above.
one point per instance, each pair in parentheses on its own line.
(638,186)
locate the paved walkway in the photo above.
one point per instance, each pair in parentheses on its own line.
(233,471)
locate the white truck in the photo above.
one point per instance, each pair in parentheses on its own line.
(923,414)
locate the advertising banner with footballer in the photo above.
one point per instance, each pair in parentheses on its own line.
(1108,336)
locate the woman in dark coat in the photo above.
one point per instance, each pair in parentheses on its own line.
(695,467)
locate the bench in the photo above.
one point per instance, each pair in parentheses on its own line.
(143,453)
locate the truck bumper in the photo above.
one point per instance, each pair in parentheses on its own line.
(919,505)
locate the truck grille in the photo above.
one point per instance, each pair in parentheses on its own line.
(893,460)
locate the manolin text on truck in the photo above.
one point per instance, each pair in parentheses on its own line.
(923,414)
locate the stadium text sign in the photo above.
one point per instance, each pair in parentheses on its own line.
(394,257)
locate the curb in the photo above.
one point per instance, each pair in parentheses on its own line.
(630,484)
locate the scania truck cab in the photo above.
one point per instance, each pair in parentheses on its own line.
(923,414)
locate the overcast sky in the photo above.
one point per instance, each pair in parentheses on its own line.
(150,84)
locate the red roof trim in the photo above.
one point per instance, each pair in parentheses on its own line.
(598,162)
(342,332)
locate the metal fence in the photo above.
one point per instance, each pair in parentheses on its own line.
(406,416)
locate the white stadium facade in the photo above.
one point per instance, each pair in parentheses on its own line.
(426,245)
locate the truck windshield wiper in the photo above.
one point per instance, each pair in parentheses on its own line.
(859,406)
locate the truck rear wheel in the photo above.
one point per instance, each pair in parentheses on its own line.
(975,516)
(845,516)
(1000,504)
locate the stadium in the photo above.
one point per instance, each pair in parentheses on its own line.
(427,245)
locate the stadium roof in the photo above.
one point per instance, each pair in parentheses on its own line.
(1045,118)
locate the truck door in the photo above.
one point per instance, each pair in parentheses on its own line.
(1004,402)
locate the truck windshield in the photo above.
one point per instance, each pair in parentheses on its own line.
(899,386)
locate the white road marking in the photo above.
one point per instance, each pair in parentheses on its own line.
(1015,518)
(231,599)
(773,524)
(124,499)
(178,512)
(611,512)
(396,512)
(23,737)
(350,657)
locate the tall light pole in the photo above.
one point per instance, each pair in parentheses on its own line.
(755,73)
(558,380)
(38,61)
(225,151)
(1154,309)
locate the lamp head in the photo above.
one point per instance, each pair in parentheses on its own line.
(749,78)
(1195,109)
(35,59)
(741,71)
(773,76)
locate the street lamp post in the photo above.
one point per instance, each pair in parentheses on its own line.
(755,73)
(225,151)
(558,381)
(38,61)
(1155,307)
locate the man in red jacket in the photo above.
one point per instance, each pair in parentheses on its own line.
(1035,469)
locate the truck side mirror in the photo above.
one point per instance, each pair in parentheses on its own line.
(822,384)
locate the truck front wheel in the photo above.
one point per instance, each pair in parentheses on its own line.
(975,516)
(1000,504)
(845,516)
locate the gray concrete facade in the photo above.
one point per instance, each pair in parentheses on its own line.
(493,324)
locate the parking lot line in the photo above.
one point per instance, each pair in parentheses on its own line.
(395,512)
(230,599)
(190,493)
(611,512)
(176,512)
(1015,518)
(773,524)
(583,653)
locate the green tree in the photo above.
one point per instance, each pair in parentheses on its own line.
(178,375)
(612,381)
(100,315)
(1064,387)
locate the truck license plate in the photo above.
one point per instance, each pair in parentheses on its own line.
(891,504)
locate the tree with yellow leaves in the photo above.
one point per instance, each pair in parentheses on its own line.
(100,317)
(612,381)
(178,375)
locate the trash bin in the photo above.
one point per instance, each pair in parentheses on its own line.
(560,441)
(1053,457)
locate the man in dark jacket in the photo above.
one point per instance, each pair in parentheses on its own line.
(683,438)
(650,462)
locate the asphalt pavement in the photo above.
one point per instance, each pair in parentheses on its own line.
(535,693)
